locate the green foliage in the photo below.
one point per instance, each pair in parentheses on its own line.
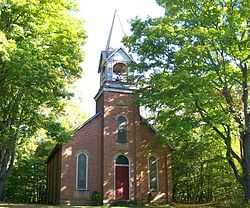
(195,61)
(28,180)
(96,197)
(40,55)
(201,173)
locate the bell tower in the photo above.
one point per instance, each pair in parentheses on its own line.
(114,69)
(113,65)
(119,114)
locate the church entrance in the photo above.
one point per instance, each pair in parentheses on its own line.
(122,178)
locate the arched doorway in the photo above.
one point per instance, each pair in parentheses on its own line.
(122,178)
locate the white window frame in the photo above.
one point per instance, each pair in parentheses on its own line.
(117,130)
(87,170)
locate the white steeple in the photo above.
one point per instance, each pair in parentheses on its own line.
(114,60)
(116,33)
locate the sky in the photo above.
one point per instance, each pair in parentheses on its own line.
(98,15)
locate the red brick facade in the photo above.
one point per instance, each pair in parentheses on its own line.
(97,139)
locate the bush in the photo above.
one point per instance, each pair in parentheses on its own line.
(96,197)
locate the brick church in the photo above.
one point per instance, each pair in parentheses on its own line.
(114,155)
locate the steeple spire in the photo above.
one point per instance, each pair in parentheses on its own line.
(114,60)
(111,30)
(116,16)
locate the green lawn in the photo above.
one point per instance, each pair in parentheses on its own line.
(47,206)
(41,206)
(3,205)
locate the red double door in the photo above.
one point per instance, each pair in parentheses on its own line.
(121,182)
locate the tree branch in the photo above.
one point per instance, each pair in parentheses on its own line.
(234,168)
(226,138)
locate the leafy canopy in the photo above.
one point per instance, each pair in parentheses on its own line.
(40,54)
(196,65)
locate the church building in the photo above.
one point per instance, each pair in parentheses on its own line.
(114,156)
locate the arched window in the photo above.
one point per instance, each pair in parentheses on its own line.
(119,71)
(121,130)
(81,171)
(153,173)
(121,160)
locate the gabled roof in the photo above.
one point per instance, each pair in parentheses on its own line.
(87,122)
(117,51)
(108,54)
(58,146)
(103,56)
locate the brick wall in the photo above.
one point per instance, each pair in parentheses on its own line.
(147,145)
(116,104)
(86,139)
(98,139)
(141,143)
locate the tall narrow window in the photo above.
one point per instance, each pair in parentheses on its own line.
(121,130)
(153,173)
(81,171)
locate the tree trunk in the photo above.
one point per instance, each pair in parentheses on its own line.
(246,165)
(247,187)
(6,162)
(1,189)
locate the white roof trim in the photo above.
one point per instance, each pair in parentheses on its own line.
(115,51)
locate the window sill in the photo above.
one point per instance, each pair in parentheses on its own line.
(121,143)
(82,190)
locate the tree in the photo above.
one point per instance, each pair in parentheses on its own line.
(197,61)
(27,182)
(200,171)
(40,55)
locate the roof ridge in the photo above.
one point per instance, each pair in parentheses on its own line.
(86,122)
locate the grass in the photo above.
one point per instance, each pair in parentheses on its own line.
(5,205)
(47,206)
